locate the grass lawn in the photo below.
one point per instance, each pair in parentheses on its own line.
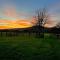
(25,47)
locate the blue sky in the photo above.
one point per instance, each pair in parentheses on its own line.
(26,8)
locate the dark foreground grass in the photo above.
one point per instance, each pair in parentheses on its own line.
(25,47)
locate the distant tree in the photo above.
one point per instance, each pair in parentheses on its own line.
(57,30)
(41,19)
(58,25)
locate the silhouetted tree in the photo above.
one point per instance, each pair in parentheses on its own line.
(41,17)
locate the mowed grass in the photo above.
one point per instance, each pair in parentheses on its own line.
(29,47)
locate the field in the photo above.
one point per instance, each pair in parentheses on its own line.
(25,47)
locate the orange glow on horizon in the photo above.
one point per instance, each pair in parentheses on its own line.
(9,24)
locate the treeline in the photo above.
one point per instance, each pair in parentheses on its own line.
(32,30)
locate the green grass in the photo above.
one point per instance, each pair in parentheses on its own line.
(25,47)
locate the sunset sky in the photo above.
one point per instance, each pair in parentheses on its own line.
(14,10)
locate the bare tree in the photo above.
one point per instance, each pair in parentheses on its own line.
(42,17)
